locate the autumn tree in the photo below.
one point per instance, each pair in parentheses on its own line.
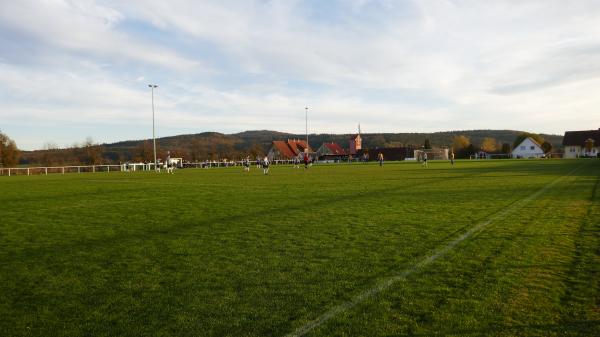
(92,152)
(489,145)
(460,142)
(521,137)
(179,152)
(9,153)
(197,150)
(49,154)
(256,151)
(144,152)
(462,147)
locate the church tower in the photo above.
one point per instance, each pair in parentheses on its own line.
(355,142)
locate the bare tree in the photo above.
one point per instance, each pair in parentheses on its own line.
(144,152)
(92,152)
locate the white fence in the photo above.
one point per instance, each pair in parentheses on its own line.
(12,171)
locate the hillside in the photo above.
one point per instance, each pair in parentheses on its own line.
(214,145)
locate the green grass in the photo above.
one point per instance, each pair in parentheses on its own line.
(221,252)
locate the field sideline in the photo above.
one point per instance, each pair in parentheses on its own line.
(497,248)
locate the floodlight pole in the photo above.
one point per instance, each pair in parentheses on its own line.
(152,86)
(306,120)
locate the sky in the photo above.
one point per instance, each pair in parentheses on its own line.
(70,70)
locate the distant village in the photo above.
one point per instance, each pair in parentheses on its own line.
(576,144)
(333,152)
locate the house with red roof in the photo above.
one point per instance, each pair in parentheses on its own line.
(285,150)
(331,151)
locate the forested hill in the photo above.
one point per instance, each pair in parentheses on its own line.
(213,145)
(246,139)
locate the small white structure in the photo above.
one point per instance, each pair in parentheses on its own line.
(177,162)
(528,148)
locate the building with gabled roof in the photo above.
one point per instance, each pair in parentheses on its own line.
(331,151)
(283,150)
(582,143)
(528,148)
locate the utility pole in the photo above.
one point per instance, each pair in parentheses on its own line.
(306,120)
(152,87)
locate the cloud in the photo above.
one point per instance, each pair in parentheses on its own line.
(231,66)
(83,27)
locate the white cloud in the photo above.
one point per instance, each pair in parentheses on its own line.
(84,26)
(230,66)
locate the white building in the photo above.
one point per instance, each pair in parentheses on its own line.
(528,148)
(582,143)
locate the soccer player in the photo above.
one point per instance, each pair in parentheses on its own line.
(380,158)
(168,163)
(265,165)
(425,159)
(247,164)
(296,162)
(305,161)
(452,158)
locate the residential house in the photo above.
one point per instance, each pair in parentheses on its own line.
(528,148)
(582,143)
(285,150)
(331,151)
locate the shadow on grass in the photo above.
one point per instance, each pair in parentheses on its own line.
(571,328)
(178,228)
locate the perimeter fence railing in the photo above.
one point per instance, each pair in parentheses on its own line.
(14,171)
(129,167)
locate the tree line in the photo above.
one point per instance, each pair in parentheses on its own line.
(217,146)
(464,148)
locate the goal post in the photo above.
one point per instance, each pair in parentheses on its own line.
(432,154)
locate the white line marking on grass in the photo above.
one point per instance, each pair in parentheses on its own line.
(387,283)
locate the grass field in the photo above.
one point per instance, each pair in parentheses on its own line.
(498,248)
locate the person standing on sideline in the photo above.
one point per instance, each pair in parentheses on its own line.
(452,158)
(380,158)
(425,159)
(265,165)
